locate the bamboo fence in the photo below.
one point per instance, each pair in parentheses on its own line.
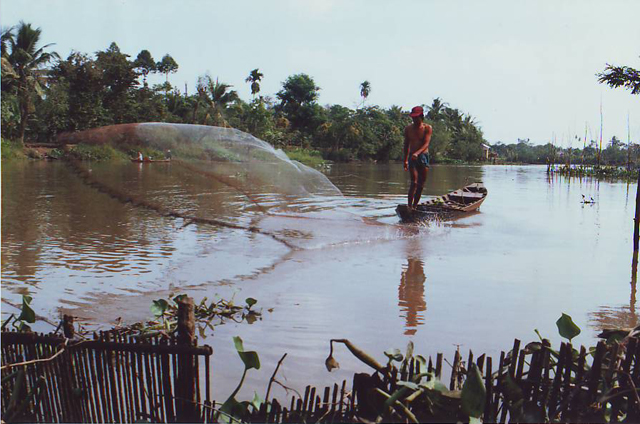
(117,378)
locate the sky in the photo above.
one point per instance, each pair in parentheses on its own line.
(522,69)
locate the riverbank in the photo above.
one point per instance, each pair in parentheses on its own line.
(310,157)
(15,151)
(104,152)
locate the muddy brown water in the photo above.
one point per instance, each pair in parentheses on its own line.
(533,252)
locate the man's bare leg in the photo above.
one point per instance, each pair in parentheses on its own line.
(422,178)
(413,172)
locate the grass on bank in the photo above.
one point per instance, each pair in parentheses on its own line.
(312,158)
(96,152)
(106,152)
(12,150)
(449,161)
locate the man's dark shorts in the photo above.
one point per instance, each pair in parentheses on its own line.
(421,162)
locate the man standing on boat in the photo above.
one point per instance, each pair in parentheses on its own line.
(417,137)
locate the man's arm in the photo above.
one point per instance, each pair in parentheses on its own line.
(426,141)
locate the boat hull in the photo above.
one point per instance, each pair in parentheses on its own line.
(453,205)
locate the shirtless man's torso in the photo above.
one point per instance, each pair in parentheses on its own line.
(417,138)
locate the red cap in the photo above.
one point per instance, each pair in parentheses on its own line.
(416,111)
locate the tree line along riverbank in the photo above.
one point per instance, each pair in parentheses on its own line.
(44,95)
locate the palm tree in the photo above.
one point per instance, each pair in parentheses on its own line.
(365,89)
(254,78)
(395,113)
(217,96)
(469,121)
(8,73)
(453,118)
(436,109)
(7,34)
(27,61)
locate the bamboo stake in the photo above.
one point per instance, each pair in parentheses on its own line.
(439,366)
(186,376)
(453,384)
(334,399)
(488,404)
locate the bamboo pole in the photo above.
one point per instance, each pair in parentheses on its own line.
(188,410)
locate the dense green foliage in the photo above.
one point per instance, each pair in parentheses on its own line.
(23,73)
(44,95)
(615,152)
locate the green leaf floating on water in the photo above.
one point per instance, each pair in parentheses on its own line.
(251,301)
(394,355)
(473,393)
(250,359)
(566,327)
(159,307)
(27,314)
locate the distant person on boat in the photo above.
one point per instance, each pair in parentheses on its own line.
(417,137)
(140,157)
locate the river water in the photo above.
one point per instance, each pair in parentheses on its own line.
(347,267)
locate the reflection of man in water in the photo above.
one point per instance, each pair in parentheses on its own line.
(417,137)
(411,294)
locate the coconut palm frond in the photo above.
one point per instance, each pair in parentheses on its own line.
(7,69)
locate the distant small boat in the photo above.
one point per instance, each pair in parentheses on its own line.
(150,160)
(455,204)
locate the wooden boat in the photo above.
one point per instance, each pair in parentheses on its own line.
(150,160)
(452,205)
